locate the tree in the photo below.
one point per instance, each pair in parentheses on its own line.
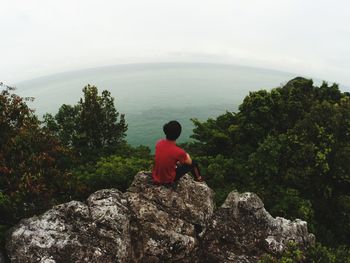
(93,127)
(291,146)
(65,124)
(32,176)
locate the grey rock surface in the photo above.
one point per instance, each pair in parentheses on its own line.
(242,231)
(75,232)
(155,224)
(169,220)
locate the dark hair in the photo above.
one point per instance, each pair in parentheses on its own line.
(172,130)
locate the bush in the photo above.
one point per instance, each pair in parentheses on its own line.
(291,146)
(322,254)
(109,172)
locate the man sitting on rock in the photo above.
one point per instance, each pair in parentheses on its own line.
(172,162)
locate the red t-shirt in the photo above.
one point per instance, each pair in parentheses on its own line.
(166,156)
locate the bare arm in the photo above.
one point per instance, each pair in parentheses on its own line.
(188,160)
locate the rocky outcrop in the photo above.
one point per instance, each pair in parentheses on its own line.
(242,231)
(97,231)
(168,220)
(152,223)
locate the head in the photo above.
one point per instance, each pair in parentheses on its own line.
(172,130)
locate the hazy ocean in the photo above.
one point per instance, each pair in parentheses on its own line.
(152,94)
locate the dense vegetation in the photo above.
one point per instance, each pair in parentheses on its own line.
(290,145)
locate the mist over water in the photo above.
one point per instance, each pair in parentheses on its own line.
(152,94)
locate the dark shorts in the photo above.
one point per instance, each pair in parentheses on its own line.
(183,169)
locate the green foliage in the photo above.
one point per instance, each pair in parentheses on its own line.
(213,136)
(292,205)
(109,172)
(315,254)
(92,128)
(219,173)
(31,159)
(291,146)
(65,124)
(322,254)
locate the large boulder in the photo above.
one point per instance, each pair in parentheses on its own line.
(242,231)
(151,223)
(97,231)
(170,219)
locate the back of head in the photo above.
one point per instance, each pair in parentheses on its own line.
(172,130)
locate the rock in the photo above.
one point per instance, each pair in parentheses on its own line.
(242,231)
(189,200)
(110,214)
(154,224)
(75,232)
(169,220)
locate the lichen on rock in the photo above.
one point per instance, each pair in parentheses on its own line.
(150,223)
(242,231)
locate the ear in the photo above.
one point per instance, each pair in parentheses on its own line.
(165,126)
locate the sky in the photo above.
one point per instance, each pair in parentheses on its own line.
(43,37)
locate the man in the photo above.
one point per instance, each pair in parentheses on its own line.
(172,162)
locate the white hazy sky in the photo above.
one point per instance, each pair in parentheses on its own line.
(308,37)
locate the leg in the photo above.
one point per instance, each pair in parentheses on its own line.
(182,169)
(196,172)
